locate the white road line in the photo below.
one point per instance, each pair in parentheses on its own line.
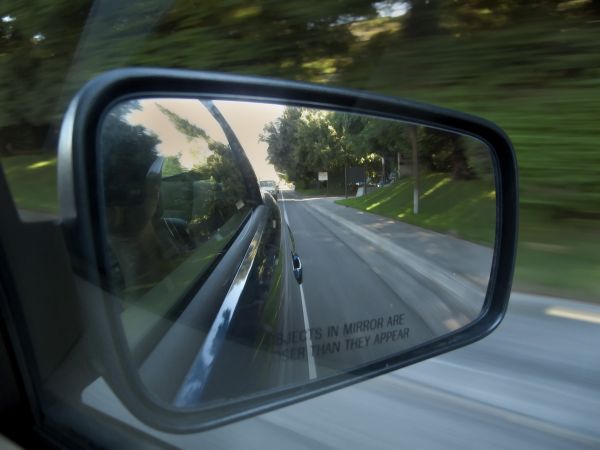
(285,216)
(567,313)
(312,368)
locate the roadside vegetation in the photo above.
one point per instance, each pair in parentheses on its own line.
(532,67)
(32,180)
(463,208)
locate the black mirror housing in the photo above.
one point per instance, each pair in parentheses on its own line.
(79,195)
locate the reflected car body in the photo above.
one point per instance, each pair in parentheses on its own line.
(232,261)
(251,320)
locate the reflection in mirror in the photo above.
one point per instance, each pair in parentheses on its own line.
(254,247)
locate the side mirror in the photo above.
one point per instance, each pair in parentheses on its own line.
(197,312)
(297,268)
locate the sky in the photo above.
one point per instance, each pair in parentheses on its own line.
(245,118)
(247,121)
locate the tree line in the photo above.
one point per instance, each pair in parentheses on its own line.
(49,48)
(303,142)
(530,66)
(208,191)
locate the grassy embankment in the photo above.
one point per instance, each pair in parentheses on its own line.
(32,181)
(540,81)
(461,208)
(466,209)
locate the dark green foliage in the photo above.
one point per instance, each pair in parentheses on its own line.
(127,153)
(303,142)
(531,66)
(186,128)
(172,166)
(445,152)
(218,181)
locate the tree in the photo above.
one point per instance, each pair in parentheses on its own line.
(282,139)
(347,129)
(50,48)
(422,19)
(172,166)
(303,142)
(185,127)
(127,152)
(37,42)
(444,151)
(220,175)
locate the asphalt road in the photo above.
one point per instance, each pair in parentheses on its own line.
(348,309)
(373,286)
(534,383)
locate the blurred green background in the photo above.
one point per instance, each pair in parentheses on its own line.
(533,67)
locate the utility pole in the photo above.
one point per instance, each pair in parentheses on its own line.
(412,133)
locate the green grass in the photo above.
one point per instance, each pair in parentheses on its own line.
(461,208)
(558,256)
(540,81)
(555,257)
(32,181)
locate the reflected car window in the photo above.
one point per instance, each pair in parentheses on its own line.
(174,198)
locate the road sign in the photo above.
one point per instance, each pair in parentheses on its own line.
(323,176)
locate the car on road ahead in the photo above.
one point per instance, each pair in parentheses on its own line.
(269,187)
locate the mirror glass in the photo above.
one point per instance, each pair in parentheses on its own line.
(253,247)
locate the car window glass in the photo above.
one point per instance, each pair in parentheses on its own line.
(174,197)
